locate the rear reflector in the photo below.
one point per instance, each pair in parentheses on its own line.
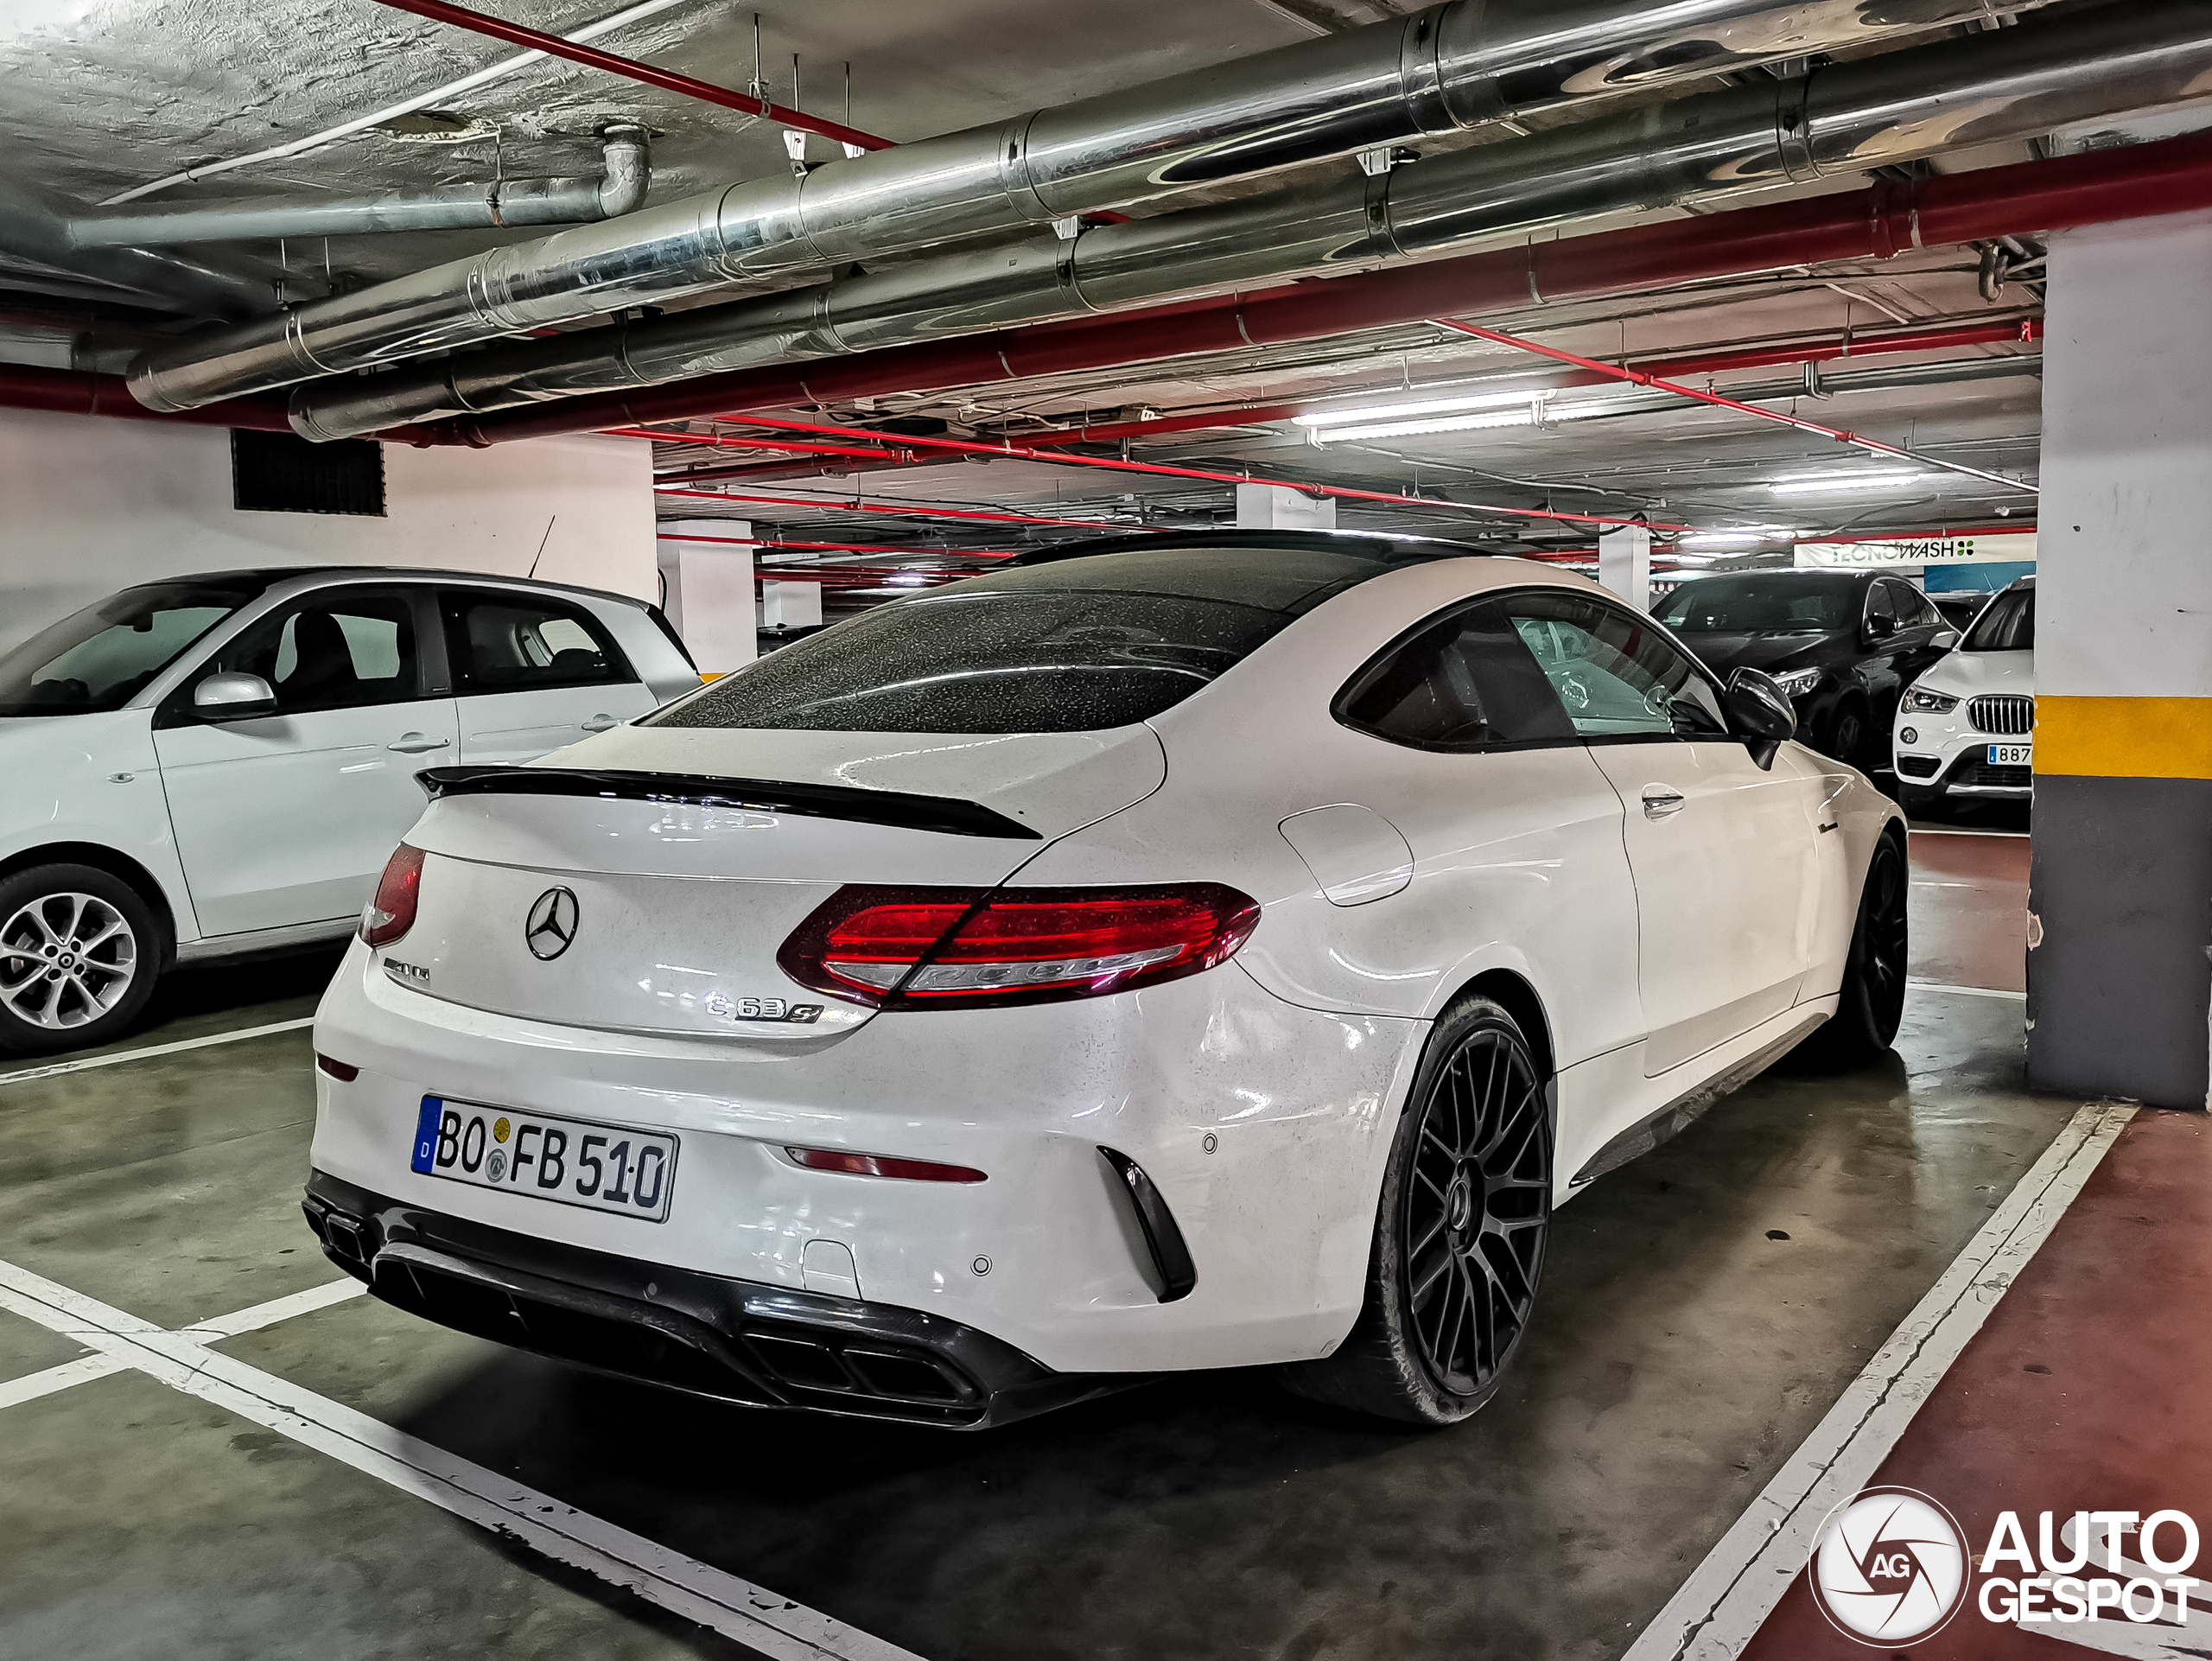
(344,1071)
(906,1170)
(919,948)
(392,914)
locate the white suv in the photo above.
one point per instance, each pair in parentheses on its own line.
(1965,731)
(218,765)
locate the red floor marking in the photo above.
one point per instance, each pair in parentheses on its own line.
(2086,1391)
(1968,910)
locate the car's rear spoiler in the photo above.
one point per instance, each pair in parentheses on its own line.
(943,814)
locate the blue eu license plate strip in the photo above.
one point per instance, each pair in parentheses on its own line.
(426,1135)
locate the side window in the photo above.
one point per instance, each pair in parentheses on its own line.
(1464,681)
(1880,604)
(1614,673)
(1914,610)
(520,642)
(337,652)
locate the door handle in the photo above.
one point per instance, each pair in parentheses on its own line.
(1659,801)
(415,743)
(600,724)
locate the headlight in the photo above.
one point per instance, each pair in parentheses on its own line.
(1798,682)
(1929,703)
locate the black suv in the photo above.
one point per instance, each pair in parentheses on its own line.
(1845,645)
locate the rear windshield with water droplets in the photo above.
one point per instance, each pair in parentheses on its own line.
(1072,647)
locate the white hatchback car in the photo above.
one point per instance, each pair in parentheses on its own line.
(219,764)
(1216,952)
(1965,731)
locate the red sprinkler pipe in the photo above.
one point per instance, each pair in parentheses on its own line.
(2173,175)
(1341,492)
(592,58)
(69,391)
(725,441)
(1637,378)
(847,547)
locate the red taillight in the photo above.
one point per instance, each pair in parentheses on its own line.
(917,948)
(906,1170)
(392,914)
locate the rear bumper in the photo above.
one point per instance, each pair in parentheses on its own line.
(730,1340)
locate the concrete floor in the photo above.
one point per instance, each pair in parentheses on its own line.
(1701,1310)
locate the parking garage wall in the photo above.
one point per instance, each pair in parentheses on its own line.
(89,504)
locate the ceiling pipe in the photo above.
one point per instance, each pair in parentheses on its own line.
(1448,68)
(1849,118)
(2171,176)
(630,68)
(617,190)
(1795,423)
(71,392)
(1206,475)
(2020,330)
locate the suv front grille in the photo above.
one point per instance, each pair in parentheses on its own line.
(2007,714)
(1981,774)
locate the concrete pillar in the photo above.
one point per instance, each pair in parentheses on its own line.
(706,568)
(2119,988)
(1625,563)
(1276,508)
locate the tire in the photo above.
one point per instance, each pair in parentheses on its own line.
(1458,1245)
(1872,1001)
(1846,734)
(80,952)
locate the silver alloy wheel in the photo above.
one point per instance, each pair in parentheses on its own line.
(65,960)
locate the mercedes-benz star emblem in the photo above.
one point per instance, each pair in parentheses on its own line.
(550,929)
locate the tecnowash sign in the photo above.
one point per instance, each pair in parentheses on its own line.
(2000,548)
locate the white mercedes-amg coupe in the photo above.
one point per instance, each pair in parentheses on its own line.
(1204,951)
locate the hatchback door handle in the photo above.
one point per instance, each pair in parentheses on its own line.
(415,743)
(1659,801)
(600,723)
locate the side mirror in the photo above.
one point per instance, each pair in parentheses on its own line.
(1760,713)
(1877,627)
(233,697)
(1944,640)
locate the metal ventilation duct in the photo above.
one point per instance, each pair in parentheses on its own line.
(1987,89)
(1450,68)
(619,190)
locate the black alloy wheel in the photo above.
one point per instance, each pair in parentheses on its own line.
(1474,1214)
(1458,1245)
(1870,1004)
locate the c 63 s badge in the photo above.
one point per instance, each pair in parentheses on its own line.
(730,1009)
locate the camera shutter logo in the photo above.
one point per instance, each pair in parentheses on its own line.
(550,927)
(1889,1567)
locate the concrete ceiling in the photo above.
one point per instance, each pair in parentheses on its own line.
(100,97)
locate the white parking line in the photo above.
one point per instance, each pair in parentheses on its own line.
(774,1626)
(276,1309)
(85,1368)
(59,1067)
(1967,991)
(67,1376)
(1732,1593)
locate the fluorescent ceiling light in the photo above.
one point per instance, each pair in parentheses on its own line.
(1415,410)
(1807,484)
(1531,408)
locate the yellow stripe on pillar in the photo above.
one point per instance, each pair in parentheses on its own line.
(2124,738)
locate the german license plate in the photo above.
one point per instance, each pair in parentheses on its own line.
(602,1167)
(2011,755)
